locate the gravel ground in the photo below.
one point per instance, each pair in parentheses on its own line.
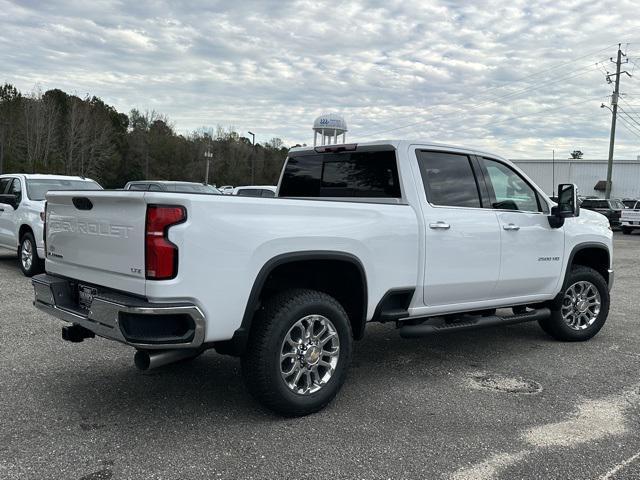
(505,402)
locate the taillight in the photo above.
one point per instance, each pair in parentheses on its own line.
(161,256)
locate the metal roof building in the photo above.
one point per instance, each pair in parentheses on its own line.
(586,174)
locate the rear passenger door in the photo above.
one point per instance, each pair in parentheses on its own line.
(532,251)
(462,260)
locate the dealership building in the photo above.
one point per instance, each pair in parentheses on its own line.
(589,175)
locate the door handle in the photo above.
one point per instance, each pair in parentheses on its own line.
(1,209)
(511,226)
(440,226)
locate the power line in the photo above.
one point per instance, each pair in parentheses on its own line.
(628,104)
(629,127)
(538,112)
(483,94)
(629,116)
(487,102)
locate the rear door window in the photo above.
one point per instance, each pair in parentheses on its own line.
(16,189)
(368,174)
(448,179)
(4,185)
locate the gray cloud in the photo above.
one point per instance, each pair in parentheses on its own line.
(449,71)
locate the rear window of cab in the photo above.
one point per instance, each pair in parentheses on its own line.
(367,174)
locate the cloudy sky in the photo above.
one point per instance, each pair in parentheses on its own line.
(517,77)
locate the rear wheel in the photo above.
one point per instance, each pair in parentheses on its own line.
(583,309)
(30,263)
(298,352)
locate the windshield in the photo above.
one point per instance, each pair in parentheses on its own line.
(37,188)
(197,188)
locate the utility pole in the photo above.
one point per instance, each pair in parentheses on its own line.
(553,172)
(614,114)
(253,157)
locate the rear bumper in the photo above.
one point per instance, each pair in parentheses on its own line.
(111,312)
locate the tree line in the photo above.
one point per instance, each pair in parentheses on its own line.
(54,132)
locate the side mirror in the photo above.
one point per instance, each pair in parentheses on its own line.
(568,205)
(9,199)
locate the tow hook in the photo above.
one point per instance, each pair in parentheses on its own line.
(76,333)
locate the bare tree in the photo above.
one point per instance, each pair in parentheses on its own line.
(39,118)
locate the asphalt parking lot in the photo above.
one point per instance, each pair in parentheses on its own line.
(496,403)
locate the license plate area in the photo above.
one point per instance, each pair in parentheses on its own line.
(85,296)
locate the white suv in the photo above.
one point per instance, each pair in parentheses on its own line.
(22,201)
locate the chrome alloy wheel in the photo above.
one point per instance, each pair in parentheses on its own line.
(309,354)
(581,305)
(26,254)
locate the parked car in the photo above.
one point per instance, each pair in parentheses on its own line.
(630,218)
(255,191)
(170,186)
(431,238)
(612,209)
(226,189)
(22,201)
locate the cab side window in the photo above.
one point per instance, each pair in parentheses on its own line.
(510,190)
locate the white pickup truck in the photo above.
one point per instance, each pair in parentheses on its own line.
(433,238)
(22,213)
(630,219)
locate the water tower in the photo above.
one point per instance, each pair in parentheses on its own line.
(329,126)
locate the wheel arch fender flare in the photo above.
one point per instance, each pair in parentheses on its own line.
(570,261)
(237,344)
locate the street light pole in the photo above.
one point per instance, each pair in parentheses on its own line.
(253,157)
(208,155)
(3,125)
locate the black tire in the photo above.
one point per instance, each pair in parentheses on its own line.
(627,230)
(558,328)
(36,265)
(261,363)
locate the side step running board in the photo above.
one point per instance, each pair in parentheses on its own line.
(437,325)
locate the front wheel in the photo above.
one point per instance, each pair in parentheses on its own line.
(298,352)
(627,230)
(30,263)
(583,309)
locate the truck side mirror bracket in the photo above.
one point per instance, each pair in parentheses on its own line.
(568,205)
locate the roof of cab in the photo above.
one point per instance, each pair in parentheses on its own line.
(400,143)
(46,176)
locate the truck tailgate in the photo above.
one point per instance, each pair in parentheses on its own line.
(98,238)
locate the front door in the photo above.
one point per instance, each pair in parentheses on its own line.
(462,261)
(532,251)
